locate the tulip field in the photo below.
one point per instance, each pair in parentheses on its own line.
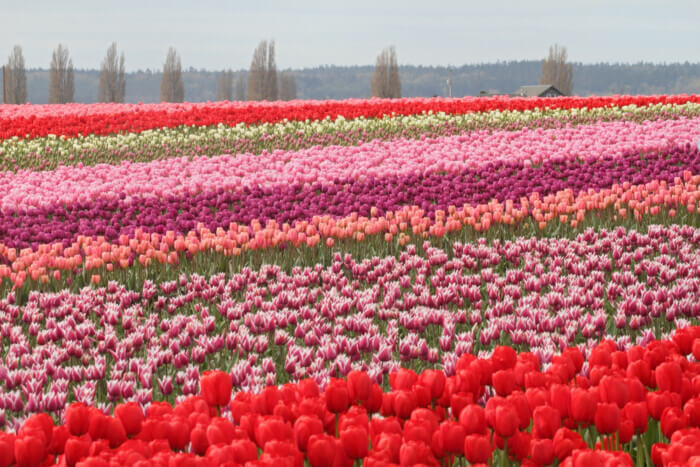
(480,281)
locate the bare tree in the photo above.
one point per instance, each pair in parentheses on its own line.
(386,81)
(15,85)
(557,72)
(112,86)
(172,88)
(288,86)
(240,88)
(262,78)
(224,86)
(61,84)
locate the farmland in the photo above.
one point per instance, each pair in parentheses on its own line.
(502,281)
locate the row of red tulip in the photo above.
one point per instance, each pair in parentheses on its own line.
(623,405)
(70,120)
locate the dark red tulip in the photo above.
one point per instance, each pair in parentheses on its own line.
(477,449)
(216,387)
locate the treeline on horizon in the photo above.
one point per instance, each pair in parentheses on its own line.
(342,82)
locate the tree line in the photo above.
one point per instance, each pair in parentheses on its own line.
(341,82)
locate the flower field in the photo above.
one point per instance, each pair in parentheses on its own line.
(478,281)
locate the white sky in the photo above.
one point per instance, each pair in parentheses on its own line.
(222,34)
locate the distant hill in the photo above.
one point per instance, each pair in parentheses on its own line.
(340,82)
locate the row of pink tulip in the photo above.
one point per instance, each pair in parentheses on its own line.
(182,177)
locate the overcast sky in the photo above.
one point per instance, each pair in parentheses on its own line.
(222,34)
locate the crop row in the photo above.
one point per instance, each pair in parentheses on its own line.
(46,153)
(70,120)
(635,406)
(267,327)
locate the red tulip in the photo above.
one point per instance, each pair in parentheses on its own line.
(77,418)
(669,377)
(434,381)
(116,434)
(7,449)
(355,441)
(304,427)
(244,450)
(337,396)
(272,428)
(583,406)
(58,439)
(453,435)
(691,409)
(321,450)
(503,382)
(657,402)
(546,421)
(542,451)
(473,419)
(30,451)
(672,420)
(518,445)
(641,370)
(503,358)
(505,420)
(565,441)
(560,397)
(76,449)
(131,416)
(376,396)
(403,379)
(639,415)
(404,403)
(216,387)
(416,453)
(607,418)
(625,431)
(359,386)
(477,448)
(613,389)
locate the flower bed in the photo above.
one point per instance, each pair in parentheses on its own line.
(502,281)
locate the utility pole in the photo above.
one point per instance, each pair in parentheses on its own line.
(449,82)
(4,86)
